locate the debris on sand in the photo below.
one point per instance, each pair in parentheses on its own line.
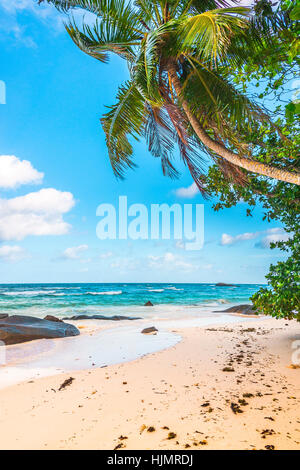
(226,330)
(66,383)
(267,432)
(142,428)
(171,435)
(151,429)
(243,402)
(236,408)
(119,446)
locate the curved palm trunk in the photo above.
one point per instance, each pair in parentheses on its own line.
(222,151)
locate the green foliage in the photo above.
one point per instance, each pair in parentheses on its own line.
(283,299)
(280,202)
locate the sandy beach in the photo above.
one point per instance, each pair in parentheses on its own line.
(220,387)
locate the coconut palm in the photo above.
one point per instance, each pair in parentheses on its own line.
(180,93)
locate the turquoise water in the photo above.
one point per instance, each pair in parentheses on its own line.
(170,300)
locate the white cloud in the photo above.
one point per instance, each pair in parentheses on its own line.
(272,238)
(125,264)
(11,26)
(14,172)
(24,32)
(106,255)
(11,253)
(42,11)
(169,257)
(229,240)
(189,192)
(74,252)
(169,260)
(271,235)
(37,213)
(13,5)
(180,244)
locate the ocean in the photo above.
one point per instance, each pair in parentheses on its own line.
(169,300)
(175,306)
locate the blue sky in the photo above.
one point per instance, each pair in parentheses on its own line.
(55,171)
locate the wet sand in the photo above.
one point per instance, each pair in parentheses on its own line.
(221,387)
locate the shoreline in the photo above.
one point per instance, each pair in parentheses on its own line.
(101,343)
(182,388)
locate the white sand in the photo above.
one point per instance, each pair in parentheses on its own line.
(168,389)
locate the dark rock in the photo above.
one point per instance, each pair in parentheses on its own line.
(52,318)
(3,315)
(223,284)
(148,304)
(101,317)
(150,330)
(19,329)
(244,309)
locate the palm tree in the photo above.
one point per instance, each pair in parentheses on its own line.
(179,94)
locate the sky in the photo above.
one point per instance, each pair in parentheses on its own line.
(55,172)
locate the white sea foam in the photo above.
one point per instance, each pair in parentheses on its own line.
(29,292)
(173,288)
(109,292)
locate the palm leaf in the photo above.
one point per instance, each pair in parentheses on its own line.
(218,97)
(208,34)
(107,35)
(125,118)
(193,7)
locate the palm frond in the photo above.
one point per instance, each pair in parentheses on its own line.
(191,151)
(147,65)
(261,41)
(208,34)
(146,11)
(100,8)
(124,119)
(212,95)
(193,7)
(193,157)
(160,138)
(107,35)
(62,5)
